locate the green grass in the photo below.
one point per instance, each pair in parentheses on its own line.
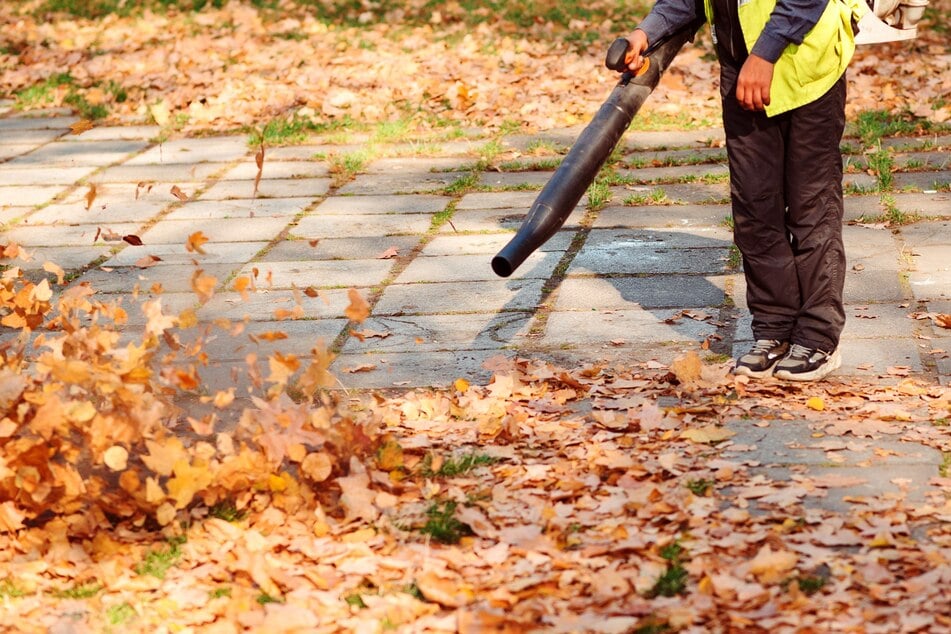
(734,259)
(945,468)
(700,486)
(227,511)
(454,467)
(442,525)
(120,614)
(599,195)
(157,563)
(9,590)
(656,196)
(282,131)
(84,591)
(674,580)
(462,184)
(218,593)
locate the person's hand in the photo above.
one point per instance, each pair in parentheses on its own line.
(752,86)
(637,44)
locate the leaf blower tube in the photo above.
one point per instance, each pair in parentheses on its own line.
(580,167)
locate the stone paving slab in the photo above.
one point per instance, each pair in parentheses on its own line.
(173,278)
(116,133)
(500,200)
(79,154)
(202,209)
(874,286)
(487,244)
(413,369)
(200,150)
(248,170)
(36,121)
(163,176)
(176,253)
(319,273)
(452,297)
(606,261)
(258,337)
(137,212)
(502,180)
(391,204)
(215,229)
(678,173)
(419,165)
(622,328)
(923,180)
(468,268)
(663,216)
(10,214)
(670,238)
(9,151)
(498,220)
(658,291)
(68,258)
(129,193)
(69,235)
(927,233)
(29,195)
(429,333)
(359,225)
(339,248)
(384,184)
(20,176)
(271,188)
(26,137)
(263,305)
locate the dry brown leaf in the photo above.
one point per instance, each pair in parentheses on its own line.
(195,242)
(358,310)
(83,125)
(177,192)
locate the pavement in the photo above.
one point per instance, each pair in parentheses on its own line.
(640,280)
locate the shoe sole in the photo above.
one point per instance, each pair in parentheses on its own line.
(835,360)
(742,370)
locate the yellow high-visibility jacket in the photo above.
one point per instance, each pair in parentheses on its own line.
(804,72)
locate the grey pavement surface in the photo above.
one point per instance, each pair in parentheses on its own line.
(644,278)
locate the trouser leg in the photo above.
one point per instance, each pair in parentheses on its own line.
(756,149)
(813,184)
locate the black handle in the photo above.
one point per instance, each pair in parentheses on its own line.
(616,54)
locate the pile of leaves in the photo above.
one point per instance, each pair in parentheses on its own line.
(91,430)
(431,65)
(600,498)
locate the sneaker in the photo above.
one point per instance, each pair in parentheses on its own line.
(759,361)
(807,364)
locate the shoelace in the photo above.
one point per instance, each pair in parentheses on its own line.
(764,345)
(800,352)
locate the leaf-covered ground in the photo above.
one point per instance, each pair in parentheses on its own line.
(433,66)
(593,499)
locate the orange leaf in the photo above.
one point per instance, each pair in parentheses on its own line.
(80,126)
(90,196)
(178,193)
(358,310)
(195,242)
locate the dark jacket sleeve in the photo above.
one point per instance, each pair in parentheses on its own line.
(788,24)
(666,17)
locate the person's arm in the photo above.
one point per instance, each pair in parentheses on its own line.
(788,24)
(667,16)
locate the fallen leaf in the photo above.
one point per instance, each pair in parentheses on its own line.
(134,240)
(116,457)
(392,252)
(195,242)
(147,261)
(707,434)
(358,310)
(83,125)
(90,196)
(177,192)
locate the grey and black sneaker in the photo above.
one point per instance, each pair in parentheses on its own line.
(759,361)
(807,364)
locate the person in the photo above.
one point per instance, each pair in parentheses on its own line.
(783,89)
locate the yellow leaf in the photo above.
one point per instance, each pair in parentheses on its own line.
(687,368)
(461,385)
(816,403)
(80,412)
(160,112)
(224,398)
(116,458)
(390,456)
(165,514)
(80,126)
(707,434)
(188,481)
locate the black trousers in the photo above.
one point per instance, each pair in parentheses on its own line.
(786,190)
